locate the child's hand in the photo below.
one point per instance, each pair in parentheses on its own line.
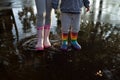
(87,9)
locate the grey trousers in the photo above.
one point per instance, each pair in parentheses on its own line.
(70,22)
(44,8)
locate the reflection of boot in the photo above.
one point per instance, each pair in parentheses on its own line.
(74,42)
(46,42)
(64,45)
(40,33)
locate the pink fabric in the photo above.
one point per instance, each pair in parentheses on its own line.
(40,28)
(39,48)
(47,27)
(47,46)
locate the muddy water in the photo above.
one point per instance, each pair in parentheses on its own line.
(99,37)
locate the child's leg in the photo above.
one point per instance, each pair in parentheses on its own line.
(65,20)
(47,24)
(48,12)
(74,31)
(41,12)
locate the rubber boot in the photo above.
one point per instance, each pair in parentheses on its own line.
(40,35)
(46,42)
(74,42)
(64,45)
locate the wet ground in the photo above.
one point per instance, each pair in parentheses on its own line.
(99,58)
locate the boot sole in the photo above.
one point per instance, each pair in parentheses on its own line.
(75,48)
(39,49)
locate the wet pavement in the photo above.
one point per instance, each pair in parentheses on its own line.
(99,58)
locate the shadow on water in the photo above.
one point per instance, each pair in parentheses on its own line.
(99,58)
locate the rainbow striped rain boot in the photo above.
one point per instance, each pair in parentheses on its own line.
(64,45)
(74,42)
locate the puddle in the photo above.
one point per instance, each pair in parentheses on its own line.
(99,58)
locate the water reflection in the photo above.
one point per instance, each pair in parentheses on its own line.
(99,58)
(104,11)
(27,18)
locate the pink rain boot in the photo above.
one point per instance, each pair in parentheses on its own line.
(46,42)
(40,33)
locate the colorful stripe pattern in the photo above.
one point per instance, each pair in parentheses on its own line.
(64,41)
(74,36)
(64,36)
(74,42)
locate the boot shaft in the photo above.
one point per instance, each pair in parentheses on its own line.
(47,43)
(40,32)
(74,42)
(46,31)
(40,38)
(47,27)
(64,45)
(64,36)
(73,36)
